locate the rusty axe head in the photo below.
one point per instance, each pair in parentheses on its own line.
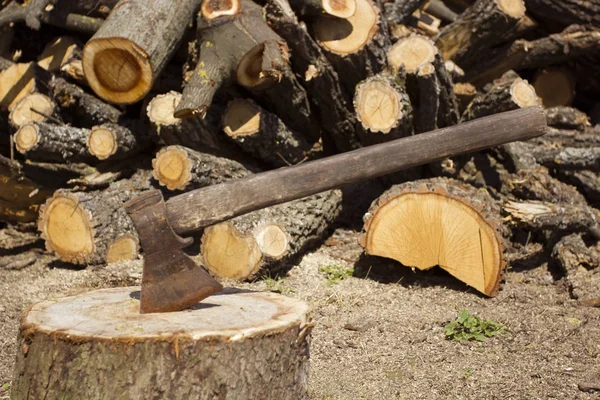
(171,280)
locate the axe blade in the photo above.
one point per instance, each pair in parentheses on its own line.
(171,280)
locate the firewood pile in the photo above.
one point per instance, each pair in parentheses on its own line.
(101,100)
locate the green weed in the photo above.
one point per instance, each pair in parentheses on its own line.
(336,273)
(470,327)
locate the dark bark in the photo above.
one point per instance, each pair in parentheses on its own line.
(567,118)
(429,102)
(399,11)
(320,79)
(574,42)
(565,12)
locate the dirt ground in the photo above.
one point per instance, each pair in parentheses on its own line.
(380,332)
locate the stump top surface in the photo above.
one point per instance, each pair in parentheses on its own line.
(113,314)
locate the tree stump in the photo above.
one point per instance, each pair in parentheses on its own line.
(234,345)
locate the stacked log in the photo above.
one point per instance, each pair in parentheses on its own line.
(97,117)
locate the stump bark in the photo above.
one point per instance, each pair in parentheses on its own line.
(234,345)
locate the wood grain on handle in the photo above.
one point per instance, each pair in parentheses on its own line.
(192,211)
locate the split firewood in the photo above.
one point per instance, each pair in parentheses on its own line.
(20,80)
(543,215)
(255,59)
(356,46)
(320,79)
(42,141)
(20,197)
(179,168)
(415,52)
(383,107)
(567,118)
(264,135)
(34,107)
(565,12)
(91,228)
(465,93)
(335,8)
(505,95)
(398,12)
(57,52)
(575,41)
(555,86)
(264,240)
(480,27)
(451,224)
(123,59)
(579,264)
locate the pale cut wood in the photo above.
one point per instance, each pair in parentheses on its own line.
(57,52)
(235,344)
(125,56)
(34,107)
(335,8)
(441,223)
(218,203)
(123,248)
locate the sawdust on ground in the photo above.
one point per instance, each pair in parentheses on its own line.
(379,333)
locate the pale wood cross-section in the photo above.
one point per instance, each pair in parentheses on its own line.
(235,344)
(438,223)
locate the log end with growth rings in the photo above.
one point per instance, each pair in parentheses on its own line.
(117,69)
(378,105)
(161,109)
(242,118)
(272,240)
(340,8)
(35,107)
(349,35)
(212,9)
(426,226)
(102,143)
(125,247)
(67,229)
(555,86)
(227,253)
(172,168)
(26,138)
(523,94)
(412,52)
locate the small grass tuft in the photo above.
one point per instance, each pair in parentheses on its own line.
(470,327)
(336,273)
(277,285)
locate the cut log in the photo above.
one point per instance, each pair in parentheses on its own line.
(18,81)
(123,59)
(179,168)
(429,99)
(41,141)
(555,217)
(356,46)
(414,52)
(34,107)
(264,240)
(256,58)
(85,227)
(116,142)
(192,354)
(505,96)
(383,108)
(565,12)
(264,135)
(480,27)
(440,10)
(194,132)
(335,8)
(451,224)
(575,41)
(555,86)
(320,79)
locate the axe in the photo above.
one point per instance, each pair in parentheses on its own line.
(172,281)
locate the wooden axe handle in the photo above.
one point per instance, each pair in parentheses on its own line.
(192,211)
